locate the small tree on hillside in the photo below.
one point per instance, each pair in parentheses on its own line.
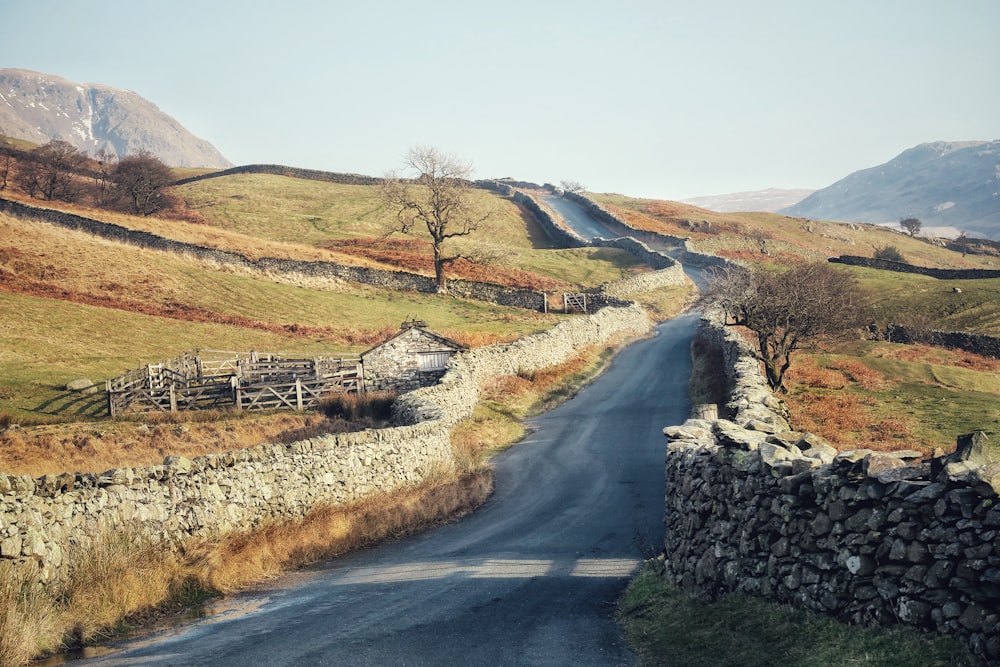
(438,198)
(50,171)
(962,241)
(139,183)
(889,253)
(788,310)
(911,225)
(6,162)
(104,184)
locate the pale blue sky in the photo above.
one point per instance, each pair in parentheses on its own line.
(660,99)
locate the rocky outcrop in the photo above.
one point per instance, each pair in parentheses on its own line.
(870,537)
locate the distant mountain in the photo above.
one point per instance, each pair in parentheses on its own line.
(770,200)
(40,107)
(943,184)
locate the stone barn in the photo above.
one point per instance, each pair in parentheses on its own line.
(413,358)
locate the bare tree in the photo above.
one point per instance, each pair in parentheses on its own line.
(962,240)
(438,198)
(6,162)
(911,225)
(104,184)
(51,171)
(572,186)
(139,181)
(788,310)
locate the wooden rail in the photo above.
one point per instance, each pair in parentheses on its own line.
(230,380)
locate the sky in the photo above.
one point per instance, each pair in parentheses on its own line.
(662,99)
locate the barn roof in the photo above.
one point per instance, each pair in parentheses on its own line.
(447,342)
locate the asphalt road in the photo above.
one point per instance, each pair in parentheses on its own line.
(577,218)
(529,579)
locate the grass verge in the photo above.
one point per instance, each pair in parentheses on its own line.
(667,626)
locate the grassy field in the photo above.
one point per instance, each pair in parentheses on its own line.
(904,298)
(668,627)
(890,397)
(310,212)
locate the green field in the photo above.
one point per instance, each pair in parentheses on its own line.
(949,305)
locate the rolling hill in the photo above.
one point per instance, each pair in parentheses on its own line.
(951,185)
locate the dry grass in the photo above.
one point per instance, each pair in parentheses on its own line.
(126,579)
(98,446)
(936,355)
(28,625)
(818,403)
(240,559)
(886,397)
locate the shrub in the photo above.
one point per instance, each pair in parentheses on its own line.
(376,406)
(889,253)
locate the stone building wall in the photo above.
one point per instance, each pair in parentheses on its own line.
(869,537)
(395,365)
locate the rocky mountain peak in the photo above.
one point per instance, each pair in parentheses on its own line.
(40,107)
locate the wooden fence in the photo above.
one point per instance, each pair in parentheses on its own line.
(205,380)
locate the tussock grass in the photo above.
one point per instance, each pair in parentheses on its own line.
(371,407)
(28,625)
(669,627)
(240,559)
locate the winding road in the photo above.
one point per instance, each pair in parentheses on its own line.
(529,579)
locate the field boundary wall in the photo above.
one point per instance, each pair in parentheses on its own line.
(865,536)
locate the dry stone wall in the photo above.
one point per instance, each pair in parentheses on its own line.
(870,537)
(903,267)
(397,280)
(981,344)
(44,519)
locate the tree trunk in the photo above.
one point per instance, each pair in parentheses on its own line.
(442,280)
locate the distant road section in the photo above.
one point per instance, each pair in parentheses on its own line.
(577,218)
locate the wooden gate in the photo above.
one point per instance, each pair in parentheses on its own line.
(221,380)
(575,303)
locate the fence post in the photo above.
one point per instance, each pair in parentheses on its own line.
(173,398)
(111,400)
(298,394)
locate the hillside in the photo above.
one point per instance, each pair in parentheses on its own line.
(769,201)
(40,107)
(79,306)
(951,185)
